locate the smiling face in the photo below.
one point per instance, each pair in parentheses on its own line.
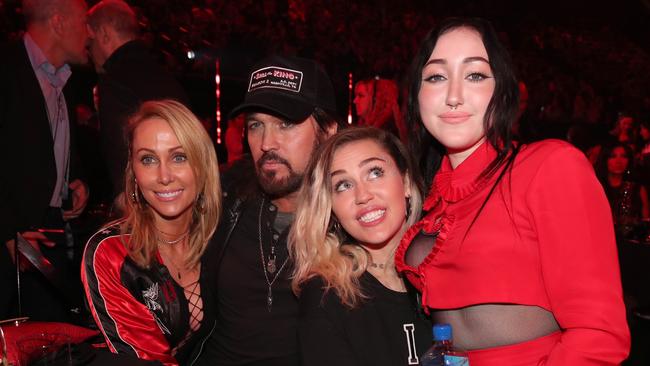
(163,173)
(457,85)
(368,193)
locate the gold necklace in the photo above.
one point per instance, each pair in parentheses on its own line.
(377,265)
(176,268)
(382,266)
(173,241)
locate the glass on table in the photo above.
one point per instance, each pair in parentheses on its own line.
(44,349)
(3,349)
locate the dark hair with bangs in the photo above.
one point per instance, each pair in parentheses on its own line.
(500,113)
(600,167)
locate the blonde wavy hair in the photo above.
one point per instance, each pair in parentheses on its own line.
(139,220)
(316,245)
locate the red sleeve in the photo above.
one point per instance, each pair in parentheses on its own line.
(579,261)
(127,324)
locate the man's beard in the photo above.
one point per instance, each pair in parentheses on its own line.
(273,186)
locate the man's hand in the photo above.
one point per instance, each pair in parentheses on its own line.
(34,238)
(79,192)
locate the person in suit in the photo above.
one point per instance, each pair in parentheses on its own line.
(39,187)
(128,76)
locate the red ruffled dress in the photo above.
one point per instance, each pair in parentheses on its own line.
(544,238)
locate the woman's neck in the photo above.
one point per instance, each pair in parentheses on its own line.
(382,265)
(382,258)
(172,229)
(615,180)
(456,157)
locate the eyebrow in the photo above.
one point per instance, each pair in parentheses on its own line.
(362,163)
(441,61)
(153,151)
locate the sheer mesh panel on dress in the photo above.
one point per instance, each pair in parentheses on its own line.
(420,247)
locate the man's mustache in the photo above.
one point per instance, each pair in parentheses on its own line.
(272,157)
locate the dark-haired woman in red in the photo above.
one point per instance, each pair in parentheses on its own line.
(517,250)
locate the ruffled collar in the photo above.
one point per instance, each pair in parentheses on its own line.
(453,185)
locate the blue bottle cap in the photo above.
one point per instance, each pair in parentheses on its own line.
(442,332)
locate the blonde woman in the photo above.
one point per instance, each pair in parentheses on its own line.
(360,195)
(141,274)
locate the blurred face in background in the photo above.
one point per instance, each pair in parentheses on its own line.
(74,34)
(362,99)
(618,161)
(625,124)
(97,52)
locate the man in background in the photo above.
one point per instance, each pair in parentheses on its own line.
(39,188)
(128,76)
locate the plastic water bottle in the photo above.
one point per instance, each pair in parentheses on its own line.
(442,352)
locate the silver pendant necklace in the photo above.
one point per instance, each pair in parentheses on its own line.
(269,266)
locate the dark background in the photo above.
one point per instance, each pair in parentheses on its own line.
(593,51)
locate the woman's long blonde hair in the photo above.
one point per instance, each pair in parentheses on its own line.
(318,247)
(139,219)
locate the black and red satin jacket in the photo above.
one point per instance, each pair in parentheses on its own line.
(140,311)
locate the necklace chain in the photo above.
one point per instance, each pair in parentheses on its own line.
(173,241)
(386,264)
(177,268)
(270,265)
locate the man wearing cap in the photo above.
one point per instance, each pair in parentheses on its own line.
(288,112)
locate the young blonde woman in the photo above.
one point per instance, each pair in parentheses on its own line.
(360,195)
(141,274)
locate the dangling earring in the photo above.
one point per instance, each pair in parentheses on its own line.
(135,197)
(408,207)
(200,203)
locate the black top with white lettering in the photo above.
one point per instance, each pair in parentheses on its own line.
(384,330)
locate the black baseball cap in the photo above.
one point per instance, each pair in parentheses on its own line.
(288,86)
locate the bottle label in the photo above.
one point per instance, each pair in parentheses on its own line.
(456,360)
